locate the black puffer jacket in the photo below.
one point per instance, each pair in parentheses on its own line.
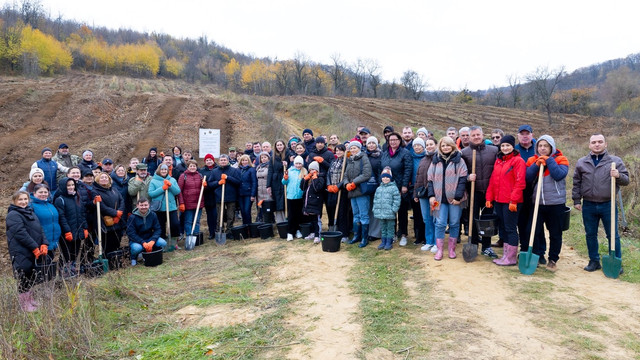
(24,234)
(71,212)
(401,165)
(209,195)
(274,181)
(485,159)
(376,161)
(111,202)
(327,157)
(313,196)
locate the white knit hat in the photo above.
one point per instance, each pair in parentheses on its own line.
(298,160)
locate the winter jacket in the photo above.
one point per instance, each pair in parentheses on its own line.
(209,195)
(112,202)
(422,173)
(375,161)
(120,184)
(152,164)
(157,193)
(357,171)
(525,154)
(386,201)
(262,175)
(139,186)
(508,179)
(415,158)
(294,191)
(327,157)
(310,146)
(85,165)
(50,169)
(178,170)
(71,212)
(68,161)
(313,195)
(554,190)
(401,165)
(592,183)
(485,159)
(24,234)
(142,229)
(274,180)
(49,220)
(190,184)
(231,186)
(447,179)
(248,181)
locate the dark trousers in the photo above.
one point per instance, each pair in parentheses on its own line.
(524,219)
(245,209)
(403,214)
(508,223)
(212,218)
(479,201)
(344,219)
(229,214)
(553,217)
(111,241)
(69,250)
(294,206)
(418,222)
(26,279)
(174,223)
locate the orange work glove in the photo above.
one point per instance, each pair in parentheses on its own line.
(166,184)
(68,236)
(314,175)
(97,199)
(513,207)
(119,213)
(86,233)
(36,252)
(542,160)
(488,204)
(351,186)
(435,205)
(204,183)
(222,182)
(44,249)
(319,159)
(116,219)
(332,189)
(161,154)
(260,203)
(181,208)
(286,176)
(223,176)
(307,177)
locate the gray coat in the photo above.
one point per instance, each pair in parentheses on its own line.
(592,183)
(357,171)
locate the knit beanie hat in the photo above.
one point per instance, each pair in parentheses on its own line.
(387,173)
(355,143)
(387,128)
(372,139)
(298,160)
(314,166)
(209,156)
(419,141)
(36,170)
(46,149)
(422,130)
(307,131)
(508,139)
(264,153)
(87,152)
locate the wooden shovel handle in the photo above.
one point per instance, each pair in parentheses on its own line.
(99,228)
(537,206)
(344,162)
(221,207)
(473,192)
(613,210)
(193,227)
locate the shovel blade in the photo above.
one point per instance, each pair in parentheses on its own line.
(221,238)
(469,252)
(190,242)
(528,262)
(105,264)
(611,265)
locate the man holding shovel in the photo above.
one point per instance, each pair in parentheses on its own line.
(227,175)
(592,195)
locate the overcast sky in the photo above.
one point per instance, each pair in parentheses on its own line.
(452,44)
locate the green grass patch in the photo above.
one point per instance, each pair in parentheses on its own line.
(632,342)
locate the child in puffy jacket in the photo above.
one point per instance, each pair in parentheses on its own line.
(386,203)
(313,188)
(292,179)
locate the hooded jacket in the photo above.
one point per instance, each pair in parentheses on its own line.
(157,193)
(49,220)
(143,228)
(554,180)
(24,234)
(422,173)
(508,179)
(357,171)
(294,190)
(71,211)
(327,157)
(386,201)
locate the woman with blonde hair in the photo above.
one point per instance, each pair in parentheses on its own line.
(248,189)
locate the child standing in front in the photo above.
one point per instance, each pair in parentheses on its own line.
(292,180)
(313,187)
(386,203)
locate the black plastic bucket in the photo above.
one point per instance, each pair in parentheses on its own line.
(283,229)
(92,270)
(487,225)
(268,210)
(567,218)
(266,231)
(45,269)
(153,258)
(200,239)
(240,232)
(331,241)
(254,231)
(115,259)
(305,229)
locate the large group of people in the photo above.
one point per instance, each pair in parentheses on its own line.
(366,186)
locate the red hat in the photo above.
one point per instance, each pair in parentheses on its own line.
(209,156)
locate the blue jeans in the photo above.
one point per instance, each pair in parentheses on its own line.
(188,221)
(360,208)
(245,208)
(592,213)
(137,248)
(448,214)
(429,222)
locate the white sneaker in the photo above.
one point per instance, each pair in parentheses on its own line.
(298,235)
(344,240)
(289,237)
(434,249)
(310,236)
(134,262)
(403,241)
(316,240)
(426,247)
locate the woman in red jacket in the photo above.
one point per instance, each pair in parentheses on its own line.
(190,183)
(505,188)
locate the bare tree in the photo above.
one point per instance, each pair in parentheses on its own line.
(413,83)
(32,12)
(283,74)
(359,76)
(515,90)
(497,93)
(373,69)
(337,74)
(300,64)
(543,83)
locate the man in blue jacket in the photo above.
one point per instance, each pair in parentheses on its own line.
(229,176)
(143,230)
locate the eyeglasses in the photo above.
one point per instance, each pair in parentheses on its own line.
(496,137)
(394,139)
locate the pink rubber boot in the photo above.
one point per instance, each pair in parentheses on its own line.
(452,247)
(504,254)
(26,302)
(439,246)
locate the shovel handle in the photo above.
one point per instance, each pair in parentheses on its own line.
(473,192)
(344,162)
(221,207)
(537,206)
(166,205)
(612,240)
(193,227)
(99,228)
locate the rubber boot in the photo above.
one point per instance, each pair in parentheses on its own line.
(440,246)
(510,259)
(356,233)
(26,302)
(452,247)
(389,244)
(365,236)
(383,243)
(504,254)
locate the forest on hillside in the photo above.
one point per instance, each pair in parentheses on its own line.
(35,44)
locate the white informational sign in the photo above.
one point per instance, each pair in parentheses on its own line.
(209,142)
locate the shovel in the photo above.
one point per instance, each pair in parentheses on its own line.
(170,246)
(190,240)
(611,264)
(101,259)
(528,262)
(221,236)
(469,250)
(335,216)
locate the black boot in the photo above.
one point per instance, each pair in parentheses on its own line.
(593,266)
(356,233)
(364,236)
